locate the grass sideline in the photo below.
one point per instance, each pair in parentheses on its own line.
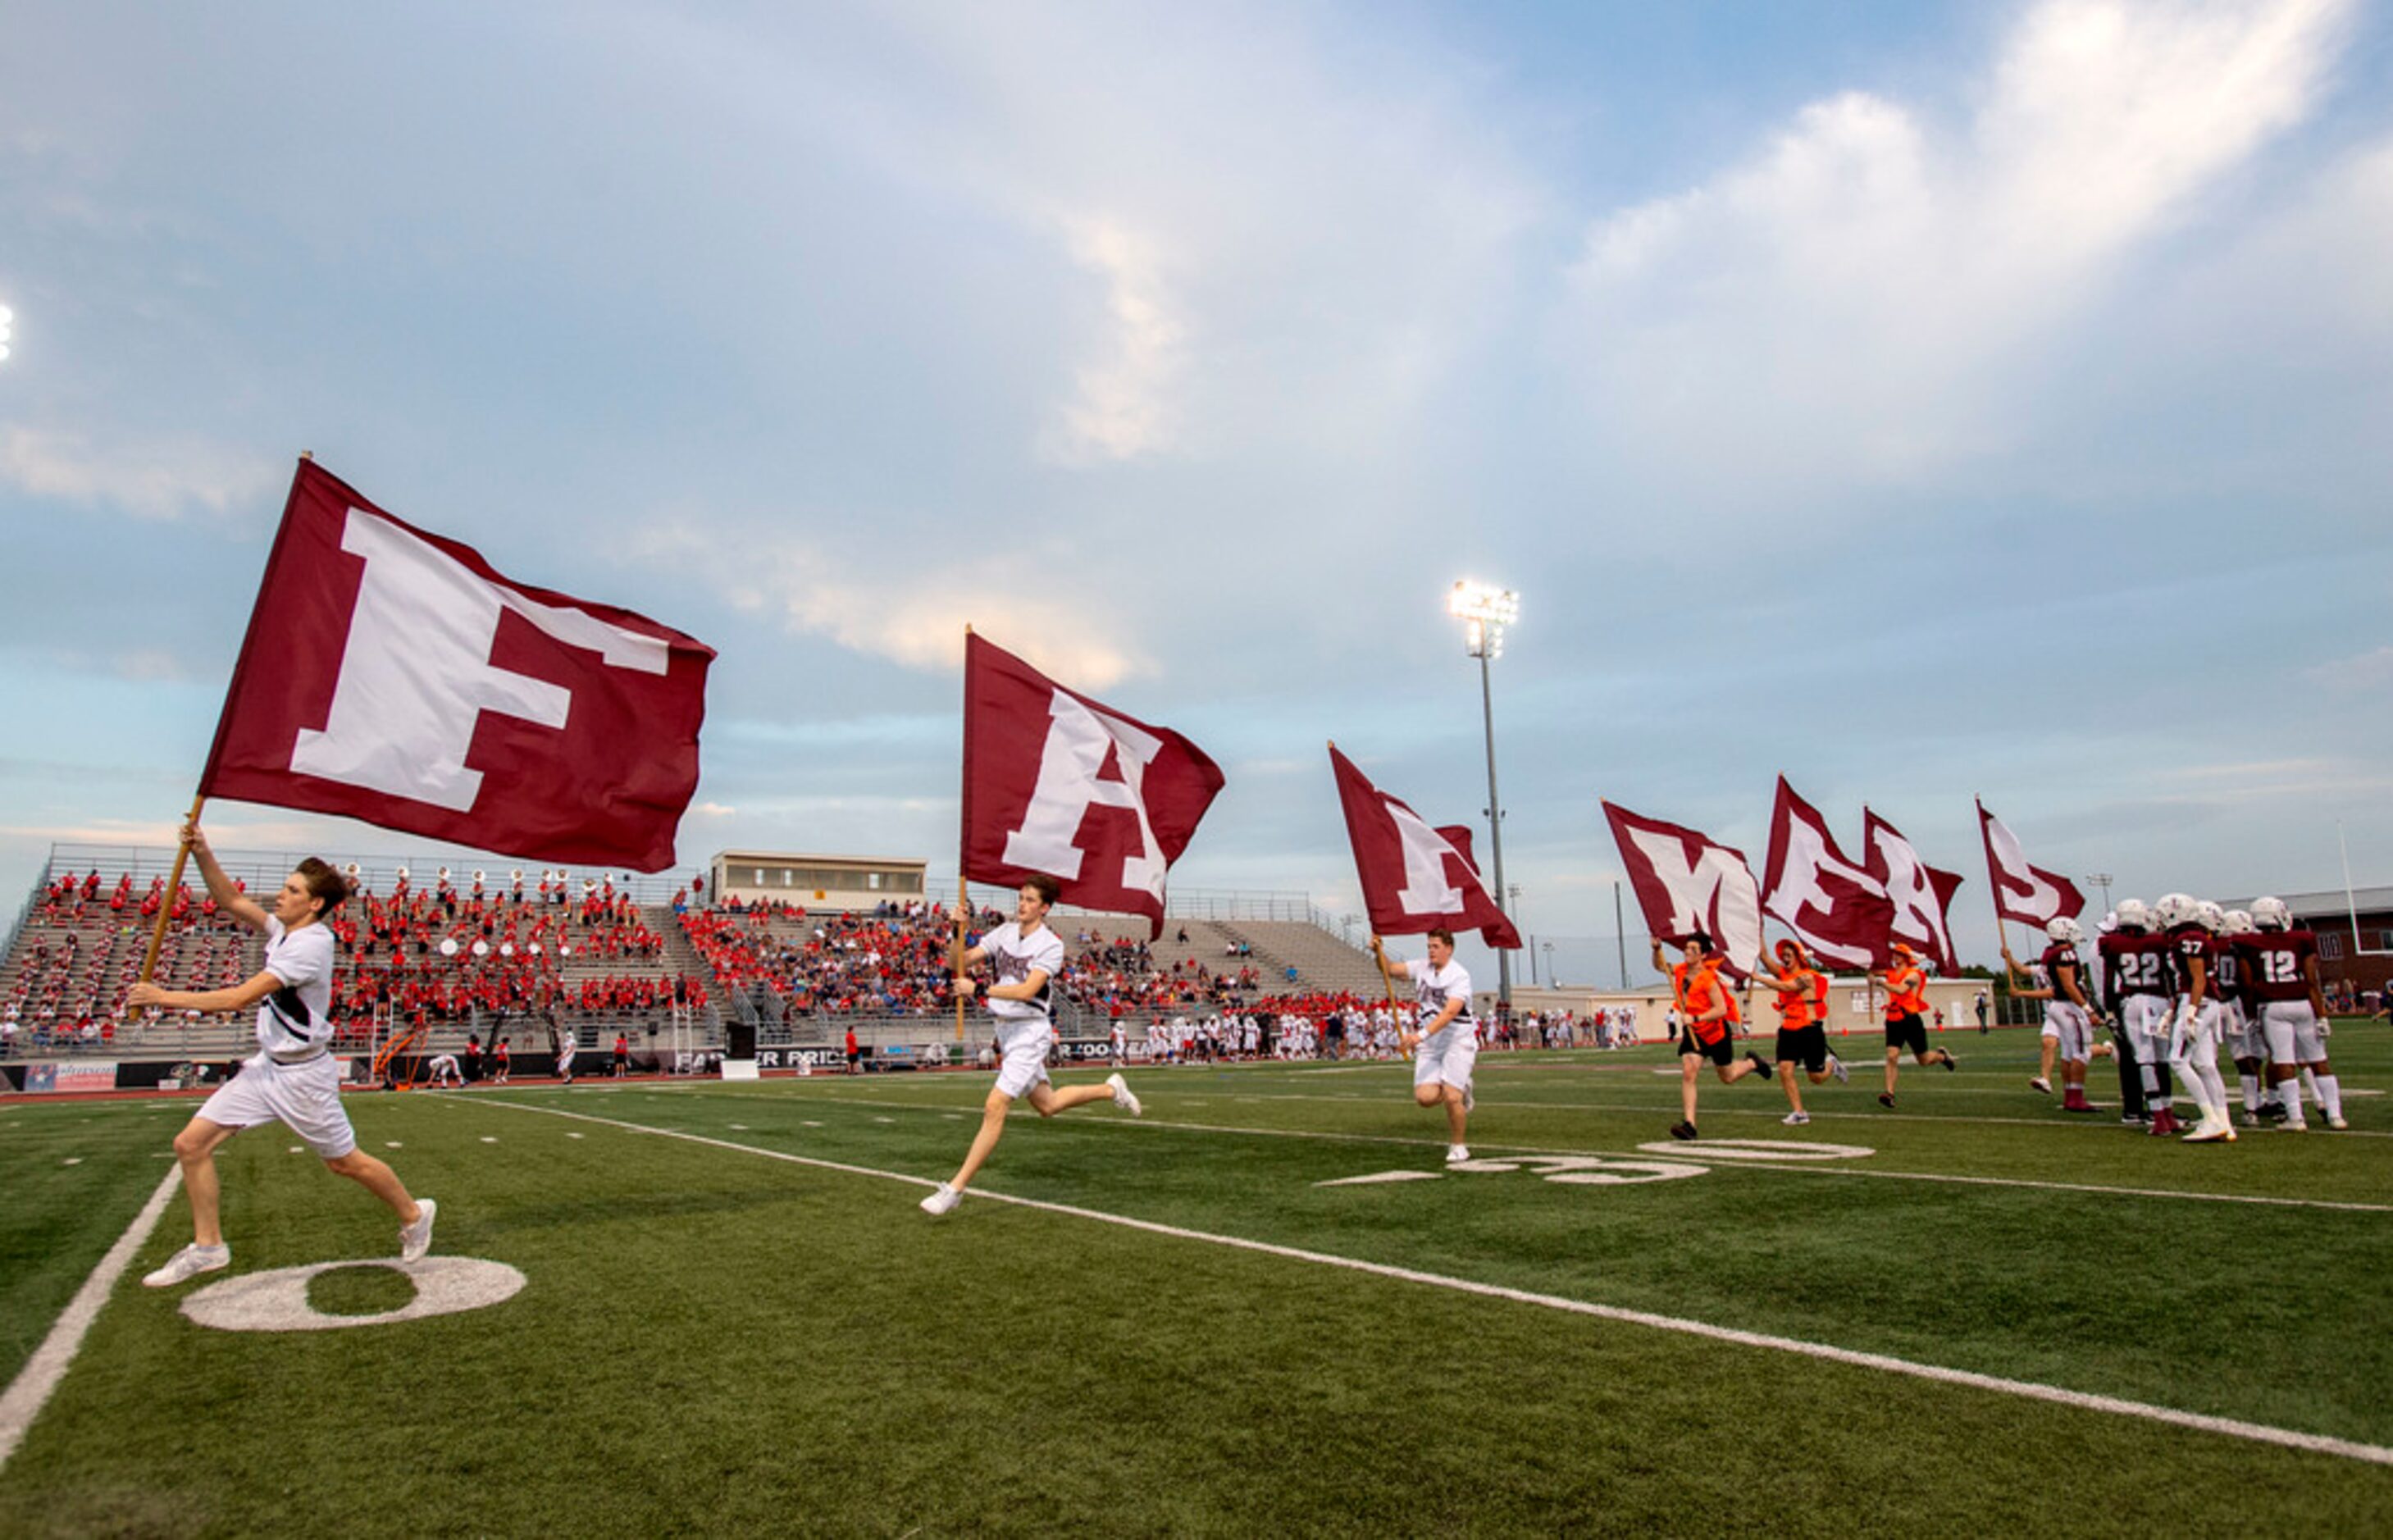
(713,1339)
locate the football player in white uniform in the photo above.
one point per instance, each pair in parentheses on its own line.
(2194,1020)
(2070,1014)
(1026,955)
(2283,961)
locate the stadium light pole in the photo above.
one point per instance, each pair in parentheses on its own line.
(1484,612)
(2101,880)
(1551,982)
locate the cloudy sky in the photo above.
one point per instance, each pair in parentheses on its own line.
(1918,401)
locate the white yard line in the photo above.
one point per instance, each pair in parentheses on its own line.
(2084,1401)
(1691,1151)
(31,1390)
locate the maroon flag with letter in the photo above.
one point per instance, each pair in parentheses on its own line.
(1834,906)
(2030,894)
(1687,881)
(1415,878)
(1057,783)
(391,676)
(1922,893)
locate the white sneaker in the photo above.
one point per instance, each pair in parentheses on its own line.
(2209,1127)
(415,1239)
(2040,1083)
(1836,1067)
(189,1263)
(1456,1154)
(943,1200)
(2293,1125)
(1122,1098)
(2337,1124)
(1796,1120)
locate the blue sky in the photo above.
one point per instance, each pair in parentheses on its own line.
(1918,401)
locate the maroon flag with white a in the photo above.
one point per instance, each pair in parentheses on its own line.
(1922,893)
(1834,906)
(1415,878)
(2030,894)
(1058,783)
(391,676)
(1687,881)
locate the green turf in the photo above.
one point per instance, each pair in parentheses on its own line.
(711,1340)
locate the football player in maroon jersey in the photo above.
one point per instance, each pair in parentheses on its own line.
(2138,987)
(2068,1012)
(2194,1020)
(2283,961)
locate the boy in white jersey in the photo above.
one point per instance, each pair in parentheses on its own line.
(1446,1037)
(292,1078)
(1026,956)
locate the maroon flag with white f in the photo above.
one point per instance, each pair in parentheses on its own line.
(1922,893)
(1057,783)
(1687,881)
(1834,906)
(1415,878)
(2030,894)
(392,676)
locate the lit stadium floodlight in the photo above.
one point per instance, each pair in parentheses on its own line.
(1484,611)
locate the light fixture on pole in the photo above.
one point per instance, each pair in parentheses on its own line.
(1484,612)
(2101,880)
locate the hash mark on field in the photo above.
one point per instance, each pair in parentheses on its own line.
(573,1136)
(1967,1378)
(490,1139)
(72,1160)
(392,1144)
(739,1128)
(297,1148)
(884,1120)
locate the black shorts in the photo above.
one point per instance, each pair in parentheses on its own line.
(1804,1045)
(1907,1032)
(1723,1052)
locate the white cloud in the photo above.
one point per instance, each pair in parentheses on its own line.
(1123,409)
(913,613)
(166,479)
(2362,672)
(1868,297)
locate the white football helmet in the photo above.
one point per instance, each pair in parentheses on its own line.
(2270,914)
(2239,923)
(2110,922)
(2133,916)
(2066,931)
(2175,909)
(2214,919)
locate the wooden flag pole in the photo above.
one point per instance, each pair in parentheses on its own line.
(964,838)
(173,886)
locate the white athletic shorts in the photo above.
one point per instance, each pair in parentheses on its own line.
(1023,1061)
(2073,1028)
(1448,1056)
(2244,1037)
(2292,1029)
(2194,1034)
(304,1097)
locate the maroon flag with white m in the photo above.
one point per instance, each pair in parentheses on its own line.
(2029,894)
(1058,783)
(1922,893)
(1415,878)
(1834,906)
(393,677)
(1687,881)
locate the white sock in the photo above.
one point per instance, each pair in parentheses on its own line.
(2251,1091)
(2289,1092)
(2309,1081)
(2330,1094)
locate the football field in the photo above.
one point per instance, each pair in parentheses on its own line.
(1265,1307)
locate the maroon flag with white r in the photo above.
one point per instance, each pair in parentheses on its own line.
(2029,894)
(393,677)
(1415,878)
(1687,881)
(1922,893)
(1834,906)
(1058,783)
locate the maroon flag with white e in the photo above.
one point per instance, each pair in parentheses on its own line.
(1922,893)
(2029,894)
(1687,881)
(1415,878)
(1834,906)
(393,677)
(1058,783)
